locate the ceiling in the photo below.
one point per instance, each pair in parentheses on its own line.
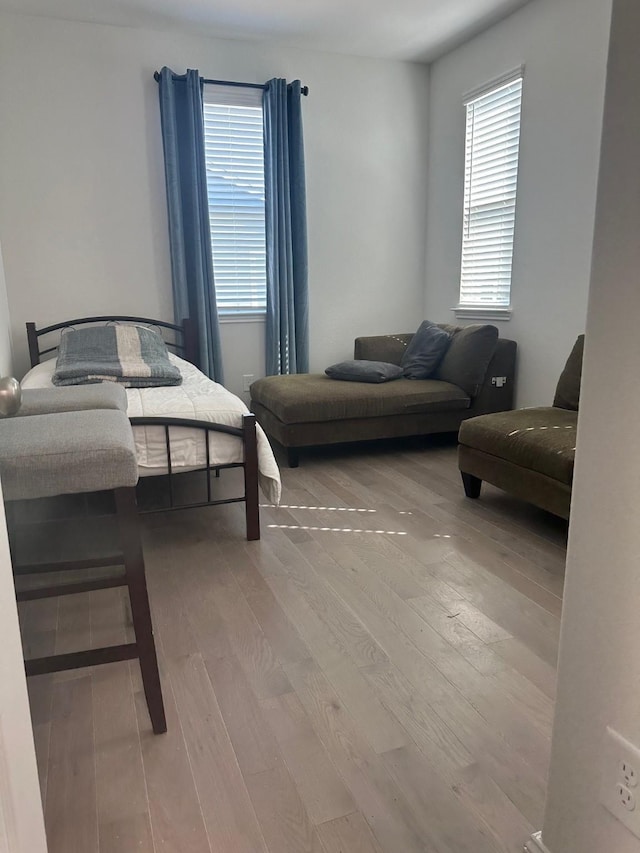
(417,30)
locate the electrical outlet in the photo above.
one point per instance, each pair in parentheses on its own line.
(621,765)
(247,379)
(625,797)
(629,773)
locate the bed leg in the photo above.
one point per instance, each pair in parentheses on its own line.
(293,457)
(252,509)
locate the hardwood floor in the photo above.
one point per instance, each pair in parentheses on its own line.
(376,675)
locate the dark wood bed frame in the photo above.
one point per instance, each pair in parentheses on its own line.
(183,340)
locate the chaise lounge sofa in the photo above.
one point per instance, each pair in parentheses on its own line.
(303,410)
(528,452)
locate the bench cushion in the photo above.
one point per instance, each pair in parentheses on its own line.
(541,439)
(66,453)
(102,395)
(313,397)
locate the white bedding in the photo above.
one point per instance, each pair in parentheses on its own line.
(198,397)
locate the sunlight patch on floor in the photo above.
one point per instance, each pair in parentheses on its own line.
(334,529)
(328,508)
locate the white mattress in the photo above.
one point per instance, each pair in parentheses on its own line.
(198,397)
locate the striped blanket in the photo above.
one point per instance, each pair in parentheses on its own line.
(134,356)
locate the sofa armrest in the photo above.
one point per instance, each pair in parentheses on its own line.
(388,348)
(498,389)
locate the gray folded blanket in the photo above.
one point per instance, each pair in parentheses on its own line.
(133,356)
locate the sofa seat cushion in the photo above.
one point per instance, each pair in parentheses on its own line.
(313,397)
(541,439)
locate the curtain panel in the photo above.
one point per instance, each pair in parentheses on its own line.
(287,320)
(194,295)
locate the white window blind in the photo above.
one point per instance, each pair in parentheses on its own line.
(234,151)
(490,184)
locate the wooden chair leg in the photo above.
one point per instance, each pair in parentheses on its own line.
(472,485)
(251,497)
(134,566)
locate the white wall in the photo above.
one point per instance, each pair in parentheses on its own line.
(599,666)
(563,45)
(6,355)
(21,819)
(82,203)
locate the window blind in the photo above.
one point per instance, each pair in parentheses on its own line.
(490,185)
(234,152)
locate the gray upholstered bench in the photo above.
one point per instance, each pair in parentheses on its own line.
(66,453)
(71,452)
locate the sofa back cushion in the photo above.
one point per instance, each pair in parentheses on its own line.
(425,351)
(466,361)
(389,348)
(568,389)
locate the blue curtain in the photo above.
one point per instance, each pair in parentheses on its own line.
(194,294)
(287,326)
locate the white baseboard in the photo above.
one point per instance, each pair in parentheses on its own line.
(535,845)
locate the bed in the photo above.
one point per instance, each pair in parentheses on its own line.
(195,426)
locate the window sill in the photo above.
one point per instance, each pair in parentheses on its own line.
(241,318)
(480,312)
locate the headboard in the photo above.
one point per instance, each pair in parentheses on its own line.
(182,339)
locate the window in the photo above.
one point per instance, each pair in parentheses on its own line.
(490,184)
(234,151)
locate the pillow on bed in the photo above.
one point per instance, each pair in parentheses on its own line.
(134,356)
(361,370)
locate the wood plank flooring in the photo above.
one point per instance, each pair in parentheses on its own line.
(376,675)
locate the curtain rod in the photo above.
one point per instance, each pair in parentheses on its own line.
(304,89)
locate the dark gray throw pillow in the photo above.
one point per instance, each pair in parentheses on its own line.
(425,351)
(361,370)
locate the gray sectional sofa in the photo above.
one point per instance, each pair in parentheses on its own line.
(303,410)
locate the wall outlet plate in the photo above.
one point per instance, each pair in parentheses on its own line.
(620,771)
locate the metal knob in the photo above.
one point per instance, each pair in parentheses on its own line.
(10,396)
